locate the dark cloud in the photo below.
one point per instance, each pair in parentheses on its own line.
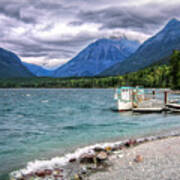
(142,18)
(39,49)
(60,29)
(15,10)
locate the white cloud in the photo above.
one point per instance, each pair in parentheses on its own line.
(46,63)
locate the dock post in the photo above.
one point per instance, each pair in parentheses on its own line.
(153,92)
(165,97)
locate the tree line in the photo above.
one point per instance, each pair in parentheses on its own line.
(156,76)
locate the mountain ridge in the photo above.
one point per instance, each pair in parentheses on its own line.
(155,48)
(37,70)
(11,65)
(96,57)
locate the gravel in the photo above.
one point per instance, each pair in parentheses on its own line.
(161,161)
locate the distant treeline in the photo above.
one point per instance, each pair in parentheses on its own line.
(155,76)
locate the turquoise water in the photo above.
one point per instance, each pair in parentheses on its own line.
(42,123)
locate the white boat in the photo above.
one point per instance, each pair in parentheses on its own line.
(147,110)
(128,97)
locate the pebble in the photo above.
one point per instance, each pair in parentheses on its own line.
(58,176)
(40,173)
(48,172)
(108,149)
(98,149)
(87,158)
(102,156)
(120,156)
(130,143)
(77,177)
(84,170)
(72,160)
(138,159)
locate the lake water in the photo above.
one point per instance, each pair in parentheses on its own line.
(43,123)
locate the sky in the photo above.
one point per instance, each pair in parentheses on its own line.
(51,32)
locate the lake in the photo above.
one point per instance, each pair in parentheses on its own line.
(43,123)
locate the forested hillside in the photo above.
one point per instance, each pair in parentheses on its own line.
(156,76)
(167,75)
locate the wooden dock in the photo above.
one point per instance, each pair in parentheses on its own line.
(156,101)
(154,105)
(148,110)
(173,105)
(174,110)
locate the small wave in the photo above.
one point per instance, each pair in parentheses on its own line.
(84,126)
(28,95)
(129,123)
(87,126)
(58,162)
(36,133)
(119,123)
(4,129)
(4,152)
(80,126)
(7,110)
(44,101)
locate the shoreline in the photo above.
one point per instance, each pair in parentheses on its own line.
(158,159)
(84,161)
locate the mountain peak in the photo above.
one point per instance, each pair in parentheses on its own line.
(102,40)
(120,40)
(97,57)
(156,48)
(172,22)
(105,41)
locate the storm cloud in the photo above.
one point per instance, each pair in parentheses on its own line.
(49,32)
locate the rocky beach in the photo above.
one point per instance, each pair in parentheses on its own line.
(154,160)
(155,157)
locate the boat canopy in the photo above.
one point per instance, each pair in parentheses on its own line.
(127,88)
(129,94)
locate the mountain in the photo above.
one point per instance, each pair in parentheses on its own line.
(38,70)
(157,47)
(11,66)
(97,57)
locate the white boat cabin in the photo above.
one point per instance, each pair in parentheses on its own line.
(128,97)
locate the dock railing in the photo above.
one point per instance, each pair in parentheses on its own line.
(161,97)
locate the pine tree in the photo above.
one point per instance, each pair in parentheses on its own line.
(175,69)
